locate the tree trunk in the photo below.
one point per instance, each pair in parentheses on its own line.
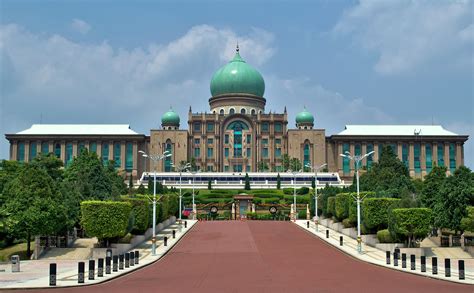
(28,245)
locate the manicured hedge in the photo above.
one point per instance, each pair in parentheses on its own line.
(341,205)
(384,236)
(410,224)
(105,219)
(141,214)
(300,191)
(375,212)
(331,206)
(353,204)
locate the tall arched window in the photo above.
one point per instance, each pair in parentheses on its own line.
(306,154)
(57,150)
(168,148)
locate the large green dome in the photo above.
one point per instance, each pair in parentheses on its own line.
(170,118)
(237,77)
(304,117)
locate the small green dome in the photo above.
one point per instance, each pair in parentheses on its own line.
(170,118)
(237,77)
(304,117)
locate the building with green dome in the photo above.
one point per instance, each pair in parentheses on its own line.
(238,135)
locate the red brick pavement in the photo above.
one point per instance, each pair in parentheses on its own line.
(260,256)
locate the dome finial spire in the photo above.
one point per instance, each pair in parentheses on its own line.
(237,48)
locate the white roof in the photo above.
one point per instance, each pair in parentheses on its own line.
(396,130)
(79,129)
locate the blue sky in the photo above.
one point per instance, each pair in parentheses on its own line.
(349,62)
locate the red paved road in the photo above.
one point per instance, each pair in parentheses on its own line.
(264,257)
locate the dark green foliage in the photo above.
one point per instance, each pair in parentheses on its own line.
(302,214)
(140,212)
(51,164)
(432,186)
(299,191)
(247,182)
(130,184)
(209,185)
(467,223)
(295,164)
(456,193)
(375,212)
(410,224)
(285,160)
(32,205)
(262,166)
(105,219)
(141,189)
(331,206)
(347,224)
(278,181)
(341,205)
(313,183)
(384,236)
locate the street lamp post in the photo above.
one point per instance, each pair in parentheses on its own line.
(180,168)
(357,159)
(155,159)
(294,172)
(316,168)
(194,205)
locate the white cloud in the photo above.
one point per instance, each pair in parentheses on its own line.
(80,26)
(407,34)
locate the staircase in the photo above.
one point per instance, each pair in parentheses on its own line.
(80,250)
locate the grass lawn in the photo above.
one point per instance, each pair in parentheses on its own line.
(19,249)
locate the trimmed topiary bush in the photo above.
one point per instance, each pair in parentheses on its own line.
(140,213)
(331,206)
(375,212)
(384,236)
(341,205)
(105,219)
(411,224)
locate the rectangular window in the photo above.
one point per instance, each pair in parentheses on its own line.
(277,152)
(357,151)
(210,126)
(117,154)
(249,152)
(370,159)
(265,141)
(80,147)
(429,157)
(249,138)
(129,156)
(93,147)
(441,155)
(68,154)
(452,157)
(226,153)
(57,150)
(210,141)
(33,147)
(226,168)
(249,168)
(197,126)
(197,152)
(393,146)
(405,154)
(416,154)
(278,127)
(265,127)
(20,155)
(105,153)
(45,148)
(210,152)
(197,141)
(265,152)
(226,138)
(278,141)
(346,169)
(209,168)
(380,148)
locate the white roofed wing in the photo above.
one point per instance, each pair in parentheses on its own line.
(396,130)
(78,129)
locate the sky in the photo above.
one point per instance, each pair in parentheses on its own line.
(348,62)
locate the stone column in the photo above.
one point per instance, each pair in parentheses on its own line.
(122,154)
(352,163)
(376,155)
(423,159)
(339,158)
(411,159)
(434,154)
(27,151)
(111,150)
(75,149)
(14,153)
(400,151)
(51,146)
(63,151)
(459,160)
(99,150)
(446,156)
(135,159)
(364,151)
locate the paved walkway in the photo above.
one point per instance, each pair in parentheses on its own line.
(263,256)
(35,274)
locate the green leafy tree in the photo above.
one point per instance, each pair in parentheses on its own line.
(313,183)
(278,181)
(285,160)
(209,184)
(412,224)
(130,184)
(456,193)
(432,186)
(33,205)
(8,171)
(262,166)
(51,164)
(247,182)
(467,223)
(117,180)
(141,189)
(295,164)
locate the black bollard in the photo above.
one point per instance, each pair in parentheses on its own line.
(115,263)
(127,259)
(404,260)
(327,233)
(132,259)
(434,265)
(91,269)
(185,224)
(121,257)
(397,250)
(461,269)
(174,234)
(447,267)
(412,262)
(80,273)
(165,240)
(137,255)
(100,267)
(108,267)
(307,224)
(423,263)
(387,256)
(340,241)
(395,258)
(52,274)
